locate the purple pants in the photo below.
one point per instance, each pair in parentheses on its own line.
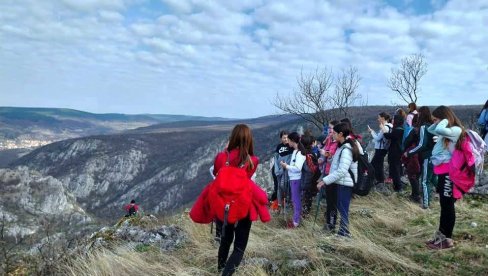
(296,199)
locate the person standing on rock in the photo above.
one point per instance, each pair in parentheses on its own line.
(451,133)
(132,208)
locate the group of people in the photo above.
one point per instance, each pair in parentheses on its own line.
(418,141)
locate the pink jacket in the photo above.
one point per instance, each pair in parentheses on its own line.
(460,172)
(331,147)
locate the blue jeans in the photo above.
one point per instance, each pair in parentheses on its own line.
(344,195)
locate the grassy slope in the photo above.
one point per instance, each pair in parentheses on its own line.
(389,235)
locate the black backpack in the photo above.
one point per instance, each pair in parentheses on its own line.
(132,210)
(365,176)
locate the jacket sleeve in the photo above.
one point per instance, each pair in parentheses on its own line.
(422,145)
(444,130)
(377,136)
(297,167)
(344,165)
(482,120)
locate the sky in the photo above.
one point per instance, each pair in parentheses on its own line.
(231,58)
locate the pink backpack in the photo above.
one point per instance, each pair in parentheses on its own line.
(466,163)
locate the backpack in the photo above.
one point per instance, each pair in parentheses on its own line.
(386,142)
(365,176)
(310,172)
(473,150)
(231,193)
(132,210)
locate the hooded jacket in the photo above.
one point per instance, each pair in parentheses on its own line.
(341,164)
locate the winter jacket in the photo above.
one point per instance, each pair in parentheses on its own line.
(294,168)
(341,164)
(282,153)
(461,169)
(379,138)
(331,147)
(221,158)
(425,144)
(201,211)
(395,136)
(440,154)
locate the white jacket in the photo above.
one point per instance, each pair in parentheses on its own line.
(339,169)
(295,167)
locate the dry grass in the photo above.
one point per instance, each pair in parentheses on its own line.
(388,239)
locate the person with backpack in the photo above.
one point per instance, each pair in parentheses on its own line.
(424,150)
(352,134)
(483,121)
(412,111)
(233,198)
(132,208)
(294,170)
(283,152)
(343,173)
(381,145)
(449,130)
(395,151)
(310,174)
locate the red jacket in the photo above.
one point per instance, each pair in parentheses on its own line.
(201,211)
(127,207)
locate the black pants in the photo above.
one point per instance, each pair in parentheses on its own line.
(307,200)
(448,211)
(395,171)
(377,162)
(275,182)
(241,232)
(331,212)
(414,182)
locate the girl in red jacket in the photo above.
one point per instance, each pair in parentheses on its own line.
(239,153)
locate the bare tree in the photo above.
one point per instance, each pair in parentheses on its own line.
(316,102)
(405,80)
(345,93)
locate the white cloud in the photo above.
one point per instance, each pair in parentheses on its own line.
(220,58)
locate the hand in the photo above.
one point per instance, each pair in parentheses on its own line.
(369,128)
(320,183)
(283,164)
(405,154)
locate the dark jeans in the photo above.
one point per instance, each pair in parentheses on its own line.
(448,211)
(395,172)
(331,200)
(241,232)
(307,199)
(344,195)
(378,164)
(414,182)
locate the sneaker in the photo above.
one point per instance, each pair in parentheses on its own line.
(443,244)
(436,238)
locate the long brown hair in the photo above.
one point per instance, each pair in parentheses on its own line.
(241,138)
(346,131)
(424,116)
(444,112)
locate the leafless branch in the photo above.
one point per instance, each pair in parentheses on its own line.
(404,81)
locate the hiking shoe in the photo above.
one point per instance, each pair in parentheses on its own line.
(443,244)
(291,224)
(415,199)
(438,237)
(328,229)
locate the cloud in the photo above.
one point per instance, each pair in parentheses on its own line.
(228,58)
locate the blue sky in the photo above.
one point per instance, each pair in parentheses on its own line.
(231,58)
